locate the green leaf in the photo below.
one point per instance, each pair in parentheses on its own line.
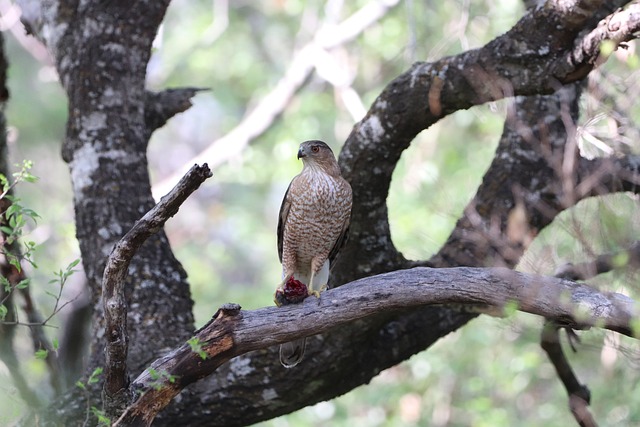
(196,347)
(30,213)
(55,343)
(30,178)
(3,312)
(15,262)
(103,420)
(42,354)
(81,385)
(5,283)
(12,210)
(95,376)
(153,374)
(23,283)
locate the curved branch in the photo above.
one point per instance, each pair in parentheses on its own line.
(536,56)
(115,389)
(232,332)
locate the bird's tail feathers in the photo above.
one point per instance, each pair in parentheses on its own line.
(291,353)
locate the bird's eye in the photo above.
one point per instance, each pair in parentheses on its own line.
(315,148)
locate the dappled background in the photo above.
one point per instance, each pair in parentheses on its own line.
(491,372)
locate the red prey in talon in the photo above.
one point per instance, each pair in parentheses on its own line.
(293,292)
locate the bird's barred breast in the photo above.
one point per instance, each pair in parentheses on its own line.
(322,208)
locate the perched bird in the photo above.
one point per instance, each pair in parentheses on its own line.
(312,228)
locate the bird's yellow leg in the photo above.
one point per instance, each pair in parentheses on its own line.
(286,278)
(310,286)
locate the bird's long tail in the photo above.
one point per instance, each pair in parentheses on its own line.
(291,353)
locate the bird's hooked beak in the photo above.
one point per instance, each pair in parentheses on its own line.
(301,153)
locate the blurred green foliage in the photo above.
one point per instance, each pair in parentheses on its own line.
(491,372)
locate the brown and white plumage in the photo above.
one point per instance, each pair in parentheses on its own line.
(312,226)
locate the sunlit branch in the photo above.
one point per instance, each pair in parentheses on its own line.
(273,104)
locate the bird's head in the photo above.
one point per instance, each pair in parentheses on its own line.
(318,154)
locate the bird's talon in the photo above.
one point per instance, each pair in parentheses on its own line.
(278,297)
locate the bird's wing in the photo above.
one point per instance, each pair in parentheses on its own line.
(282,219)
(341,240)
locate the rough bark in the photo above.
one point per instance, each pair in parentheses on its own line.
(101,52)
(106,152)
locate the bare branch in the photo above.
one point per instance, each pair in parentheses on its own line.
(579,395)
(602,264)
(274,103)
(232,332)
(116,384)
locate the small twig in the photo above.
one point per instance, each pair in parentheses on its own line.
(579,395)
(602,264)
(116,393)
(16,276)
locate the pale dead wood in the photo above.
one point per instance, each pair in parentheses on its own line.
(116,386)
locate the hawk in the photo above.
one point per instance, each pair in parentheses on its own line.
(312,228)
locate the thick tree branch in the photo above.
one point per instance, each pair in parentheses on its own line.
(232,332)
(116,383)
(159,107)
(618,27)
(524,61)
